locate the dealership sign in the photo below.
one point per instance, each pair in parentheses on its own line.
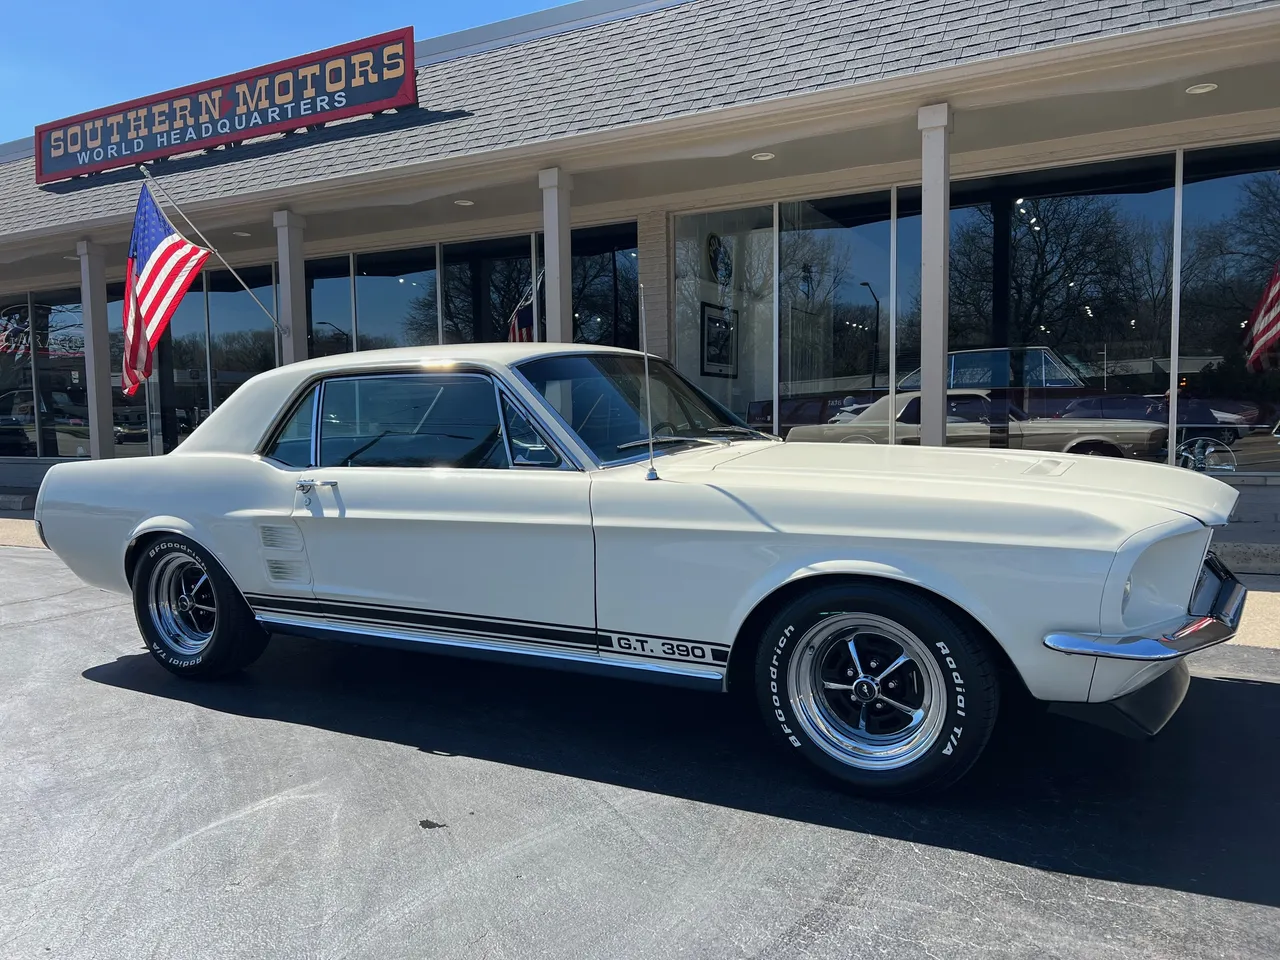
(346,81)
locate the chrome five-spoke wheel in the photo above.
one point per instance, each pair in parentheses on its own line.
(867,691)
(878,685)
(182,604)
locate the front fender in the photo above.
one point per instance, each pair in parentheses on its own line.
(1014,626)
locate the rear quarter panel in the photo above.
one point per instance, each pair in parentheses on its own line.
(91,511)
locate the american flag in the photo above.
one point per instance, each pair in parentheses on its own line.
(162,265)
(520,326)
(520,330)
(1264,326)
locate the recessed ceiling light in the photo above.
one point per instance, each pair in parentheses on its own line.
(1196,88)
(464,203)
(762,156)
(240,233)
(70,258)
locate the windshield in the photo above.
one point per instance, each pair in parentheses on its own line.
(601,397)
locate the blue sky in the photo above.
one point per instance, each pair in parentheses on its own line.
(78,55)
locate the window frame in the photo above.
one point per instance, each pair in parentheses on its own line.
(402,375)
(554,414)
(502,393)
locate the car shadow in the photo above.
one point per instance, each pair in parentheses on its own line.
(1191,810)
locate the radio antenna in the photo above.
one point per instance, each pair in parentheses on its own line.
(648,392)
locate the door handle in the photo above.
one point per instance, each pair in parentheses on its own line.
(306,486)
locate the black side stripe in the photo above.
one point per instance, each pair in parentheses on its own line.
(523,631)
(480,626)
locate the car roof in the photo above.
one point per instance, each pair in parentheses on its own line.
(243,419)
(500,353)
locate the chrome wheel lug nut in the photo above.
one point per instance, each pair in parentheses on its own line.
(849,672)
(874,664)
(893,684)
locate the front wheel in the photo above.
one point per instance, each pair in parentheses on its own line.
(878,686)
(190,613)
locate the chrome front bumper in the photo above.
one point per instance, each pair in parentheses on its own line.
(1214,616)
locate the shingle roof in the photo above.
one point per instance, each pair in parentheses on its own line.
(677,60)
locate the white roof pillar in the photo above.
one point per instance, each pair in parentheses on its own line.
(292,309)
(557,258)
(935,250)
(97,349)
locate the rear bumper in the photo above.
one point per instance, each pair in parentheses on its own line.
(1213,618)
(1140,714)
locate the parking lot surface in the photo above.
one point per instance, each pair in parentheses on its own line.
(336,801)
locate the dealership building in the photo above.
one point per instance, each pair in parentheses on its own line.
(1004,216)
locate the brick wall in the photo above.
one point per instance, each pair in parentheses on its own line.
(654,253)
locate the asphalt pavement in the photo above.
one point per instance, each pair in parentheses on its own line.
(345,802)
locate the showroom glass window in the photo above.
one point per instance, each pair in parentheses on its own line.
(833,311)
(606,285)
(724,308)
(396,299)
(171,403)
(1230,251)
(18,430)
(329,319)
(908,296)
(43,401)
(1061,309)
(132,430)
(485,283)
(242,338)
(57,335)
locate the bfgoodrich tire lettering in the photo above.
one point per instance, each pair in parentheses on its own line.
(878,686)
(191,615)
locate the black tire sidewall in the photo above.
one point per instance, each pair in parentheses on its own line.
(969,687)
(216,657)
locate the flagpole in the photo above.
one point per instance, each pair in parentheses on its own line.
(211,248)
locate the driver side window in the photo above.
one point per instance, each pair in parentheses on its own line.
(428,420)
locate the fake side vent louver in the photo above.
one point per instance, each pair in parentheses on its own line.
(281,538)
(288,571)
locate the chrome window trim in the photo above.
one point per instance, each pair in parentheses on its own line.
(473,374)
(573,455)
(566,463)
(502,425)
(588,452)
(546,407)
(282,420)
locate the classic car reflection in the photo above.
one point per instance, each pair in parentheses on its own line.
(1196,418)
(972,418)
(496,501)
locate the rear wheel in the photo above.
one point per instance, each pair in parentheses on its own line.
(190,613)
(877,686)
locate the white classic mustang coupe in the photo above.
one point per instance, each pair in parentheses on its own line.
(498,501)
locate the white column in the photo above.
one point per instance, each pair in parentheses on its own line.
(935,251)
(557,259)
(97,349)
(292,308)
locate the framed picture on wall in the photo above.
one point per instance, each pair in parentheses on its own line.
(719,341)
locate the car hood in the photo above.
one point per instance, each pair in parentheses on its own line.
(1103,485)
